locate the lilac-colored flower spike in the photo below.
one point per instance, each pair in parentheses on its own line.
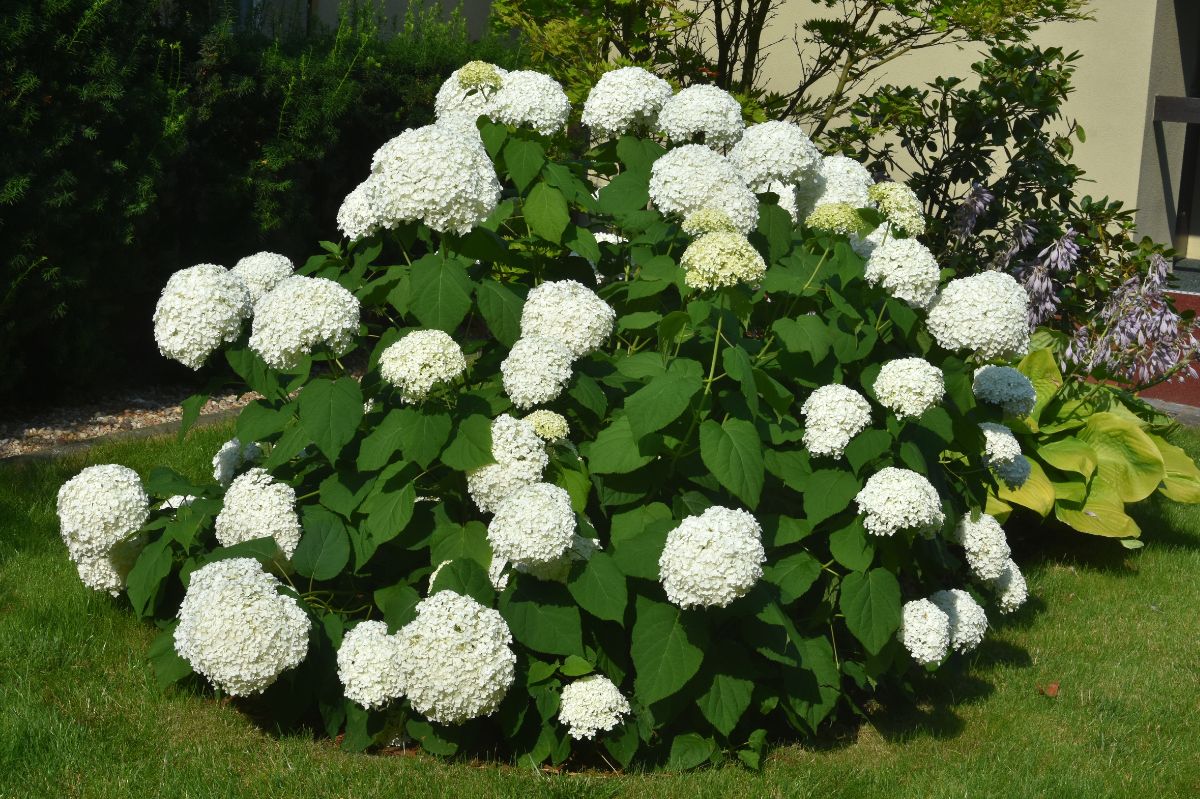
(1038,278)
(973,206)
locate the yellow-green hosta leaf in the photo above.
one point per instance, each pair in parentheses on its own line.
(997,508)
(1102,514)
(1042,370)
(1128,462)
(1071,489)
(1069,455)
(1181,481)
(1037,493)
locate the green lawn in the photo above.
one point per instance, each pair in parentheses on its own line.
(1119,631)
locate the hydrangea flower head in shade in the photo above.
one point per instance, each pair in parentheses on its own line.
(420,360)
(590,705)
(1010,587)
(909,386)
(231,457)
(1002,453)
(968,621)
(985,544)
(925,631)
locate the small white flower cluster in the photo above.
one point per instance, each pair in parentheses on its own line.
(520,457)
(100,511)
(262,272)
(369,665)
(301,314)
(1011,590)
(775,152)
(590,705)
(536,371)
(906,269)
(839,180)
(712,559)
(865,245)
(420,360)
(833,415)
(625,99)
(236,629)
(257,506)
(909,386)
(533,99)
(551,427)
(900,206)
(231,457)
(686,179)
(458,663)
(985,544)
(1002,453)
(707,220)
(702,110)
(721,259)
(469,90)
(839,218)
(968,621)
(201,308)
(534,524)
(899,499)
(985,313)
(925,631)
(1006,387)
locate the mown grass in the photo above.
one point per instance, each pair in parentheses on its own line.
(80,714)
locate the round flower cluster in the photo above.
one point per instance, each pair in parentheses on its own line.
(359,215)
(420,360)
(707,220)
(520,458)
(906,269)
(900,206)
(262,272)
(590,705)
(369,665)
(256,506)
(686,179)
(536,371)
(100,511)
(775,152)
(301,314)
(721,259)
(838,180)
(985,313)
(551,427)
(839,218)
(1011,590)
(624,99)
(833,415)
(909,386)
(570,313)
(702,110)
(968,621)
(1006,387)
(201,308)
(865,245)
(533,99)
(458,663)
(469,90)
(1002,452)
(233,455)
(898,499)
(986,545)
(236,629)
(107,572)
(534,524)
(557,570)
(712,559)
(925,631)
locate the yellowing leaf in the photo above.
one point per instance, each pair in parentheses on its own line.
(1042,370)
(1181,481)
(997,508)
(1128,462)
(1069,455)
(1102,514)
(1037,493)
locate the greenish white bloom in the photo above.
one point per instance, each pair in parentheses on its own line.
(551,427)
(909,386)
(590,705)
(716,260)
(900,206)
(419,361)
(536,371)
(707,220)
(839,218)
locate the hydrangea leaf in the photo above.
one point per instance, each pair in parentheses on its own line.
(440,292)
(793,575)
(543,617)
(524,159)
(330,411)
(465,576)
(169,667)
(324,549)
(471,446)
(728,696)
(667,647)
(870,601)
(546,212)
(501,309)
(660,402)
(689,751)
(146,578)
(828,492)
(733,453)
(599,587)
(852,547)
(617,450)
(398,604)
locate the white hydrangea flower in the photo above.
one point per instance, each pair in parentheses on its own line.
(201,308)
(590,705)
(470,90)
(986,545)
(839,218)
(1011,590)
(775,152)
(237,630)
(707,220)
(1002,453)
(439,174)
(1006,387)
(608,238)
(702,109)
(865,245)
(369,665)
(233,455)
(567,312)
(533,99)
(712,559)
(419,361)
(559,569)
(968,621)
(536,371)
(909,386)
(907,270)
(689,178)
(787,199)
(457,661)
(721,259)
(838,180)
(925,631)
(257,506)
(624,99)
(107,571)
(262,272)
(534,524)
(360,214)
(301,314)
(898,499)
(900,206)
(100,507)
(551,427)
(520,456)
(985,313)
(833,415)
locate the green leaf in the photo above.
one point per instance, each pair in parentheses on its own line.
(524,160)
(617,451)
(583,242)
(690,750)
(294,439)
(660,402)
(622,743)
(1181,481)
(169,667)
(852,547)
(775,225)
(728,696)
(451,541)
(637,154)
(146,578)
(330,411)
(465,577)
(546,212)
(1126,459)
(805,334)
(251,368)
(1103,513)
(599,587)
(324,548)
(638,537)
(398,604)
(628,191)
(423,433)
(738,366)
(389,511)
(870,601)
(383,442)
(1069,455)
(501,309)
(866,447)
(575,666)
(191,412)
(793,575)
(258,421)
(827,493)
(343,491)
(543,617)
(667,649)
(471,446)
(733,453)
(812,691)
(440,292)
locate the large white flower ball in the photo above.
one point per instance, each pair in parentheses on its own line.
(300,315)
(721,259)
(533,524)
(590,705)
(570,313)
(985,544)
(712,559)
(833,415)
(257,506)
(262,272)
(201,308)
(1002,452)
(419,361)
(898,499)
(1010,587)
(231,457)
(689,178)
(968,621)
(909,386)
(906,269)
(838,179)
(369,665)
(925,631)
(987,314)
(900,206)
(702,110)
(470,90)
(624,99)
(99,507)
(536,371)
(775,152)
(533,99)
(520,456)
